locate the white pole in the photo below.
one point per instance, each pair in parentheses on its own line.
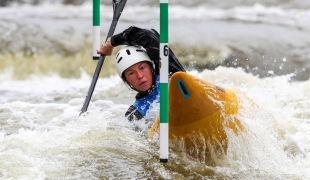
(96,28)
(164,78)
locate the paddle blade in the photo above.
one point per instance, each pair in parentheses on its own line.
(118,6)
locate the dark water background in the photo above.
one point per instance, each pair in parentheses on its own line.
(297,4)
(268,38)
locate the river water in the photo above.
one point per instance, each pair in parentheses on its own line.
(46,67)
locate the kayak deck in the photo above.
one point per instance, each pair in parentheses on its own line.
(200,113)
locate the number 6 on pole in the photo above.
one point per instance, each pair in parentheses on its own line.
(164,73)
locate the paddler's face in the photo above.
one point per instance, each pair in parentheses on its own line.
(139,76)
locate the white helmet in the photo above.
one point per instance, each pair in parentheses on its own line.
(128,56)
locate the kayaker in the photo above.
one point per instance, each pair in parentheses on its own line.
(138,65)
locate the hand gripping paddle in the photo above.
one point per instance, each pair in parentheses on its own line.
(118,6)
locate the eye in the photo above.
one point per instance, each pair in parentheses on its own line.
(129,73)
(142,67)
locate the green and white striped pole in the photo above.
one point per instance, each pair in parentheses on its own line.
(96,28)
(164,72)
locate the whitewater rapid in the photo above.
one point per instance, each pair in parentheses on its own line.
(43,136)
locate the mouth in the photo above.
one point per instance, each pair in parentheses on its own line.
(142,83)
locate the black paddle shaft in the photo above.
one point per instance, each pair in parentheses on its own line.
(118,6)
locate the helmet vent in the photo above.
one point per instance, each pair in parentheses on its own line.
(117,55)
(119,59)
(128,52)
(139,50)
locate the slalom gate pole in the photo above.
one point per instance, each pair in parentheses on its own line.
(118,6)
(96,28)
(164,78)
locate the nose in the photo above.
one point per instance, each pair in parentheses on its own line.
(139,75)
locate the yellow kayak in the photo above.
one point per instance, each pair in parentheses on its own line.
(200,115)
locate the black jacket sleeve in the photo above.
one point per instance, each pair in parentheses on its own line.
(133,114)
(149,40)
